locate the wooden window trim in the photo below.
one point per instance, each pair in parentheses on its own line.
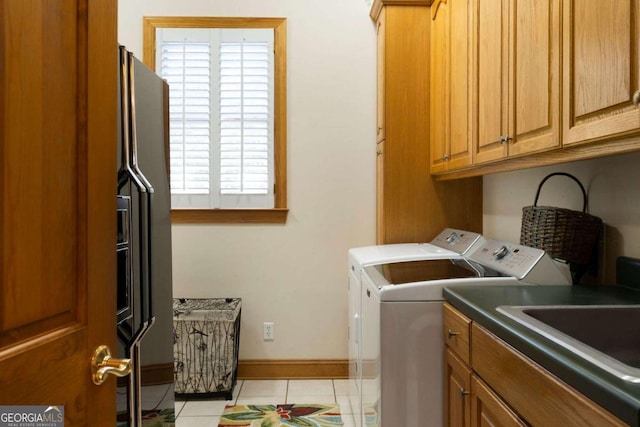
(279,213)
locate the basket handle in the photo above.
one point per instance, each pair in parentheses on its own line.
(584,193)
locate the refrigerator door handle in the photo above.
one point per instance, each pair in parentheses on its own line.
(126,174)
(145,206)
(130,173)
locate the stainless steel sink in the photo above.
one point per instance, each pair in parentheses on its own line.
(606,335)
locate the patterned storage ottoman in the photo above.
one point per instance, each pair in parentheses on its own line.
(206,340)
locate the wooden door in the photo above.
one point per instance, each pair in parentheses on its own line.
(490,70)
(439,96)
(460,106)
(487,409)
(457,391)
(601,70)
(534,95)
(450,133)
(58,68)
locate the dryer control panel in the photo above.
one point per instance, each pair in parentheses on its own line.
(458,241)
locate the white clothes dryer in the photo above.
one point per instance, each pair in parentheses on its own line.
(396,346)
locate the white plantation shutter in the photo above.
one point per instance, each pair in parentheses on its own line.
(244,117)
(186,67)
(221,116)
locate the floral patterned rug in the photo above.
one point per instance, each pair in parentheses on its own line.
(290,415)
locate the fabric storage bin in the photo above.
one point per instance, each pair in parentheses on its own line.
(206,343)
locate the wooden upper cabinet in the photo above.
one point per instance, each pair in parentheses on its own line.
(412,206)
(517,77)
(490,65)
(439,96)
(450,131)
(601,43)
(380,110)
(534,95)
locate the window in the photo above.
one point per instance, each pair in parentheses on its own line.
(227,115)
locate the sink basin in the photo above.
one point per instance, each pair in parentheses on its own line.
(606,335)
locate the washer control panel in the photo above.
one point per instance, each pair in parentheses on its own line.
(507,258)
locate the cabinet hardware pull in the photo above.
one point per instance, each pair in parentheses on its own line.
(636,98)
(463,393)
(504,138)
(445,157)
(451,333)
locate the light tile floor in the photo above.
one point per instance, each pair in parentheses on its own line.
(206,413)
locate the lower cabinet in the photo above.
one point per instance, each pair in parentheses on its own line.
(457,391)
(489,383)
(487,409)
(470,402)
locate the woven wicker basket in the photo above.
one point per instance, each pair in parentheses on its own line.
(563,233)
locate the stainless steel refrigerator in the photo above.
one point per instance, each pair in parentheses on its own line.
(144,318)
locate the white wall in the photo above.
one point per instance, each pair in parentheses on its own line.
(295,274)
(613,188)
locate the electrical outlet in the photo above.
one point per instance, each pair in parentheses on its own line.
(268,334)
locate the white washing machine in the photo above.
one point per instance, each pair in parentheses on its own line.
(396,346)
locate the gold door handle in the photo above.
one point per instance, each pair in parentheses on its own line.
(103,365)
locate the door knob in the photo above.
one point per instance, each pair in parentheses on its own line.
(103,365)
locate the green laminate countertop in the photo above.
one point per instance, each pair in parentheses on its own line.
(620,397)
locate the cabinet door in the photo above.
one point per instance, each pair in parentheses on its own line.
(380,70)
(487,409)
(534,97)
(457,390)
(439,130)
(490,69)
(460,105)
(521,382)
(450,86)
(601,51)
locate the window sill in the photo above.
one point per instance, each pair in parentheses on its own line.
(229,216)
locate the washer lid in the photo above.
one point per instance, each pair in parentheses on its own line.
(432,290)
(400,252)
